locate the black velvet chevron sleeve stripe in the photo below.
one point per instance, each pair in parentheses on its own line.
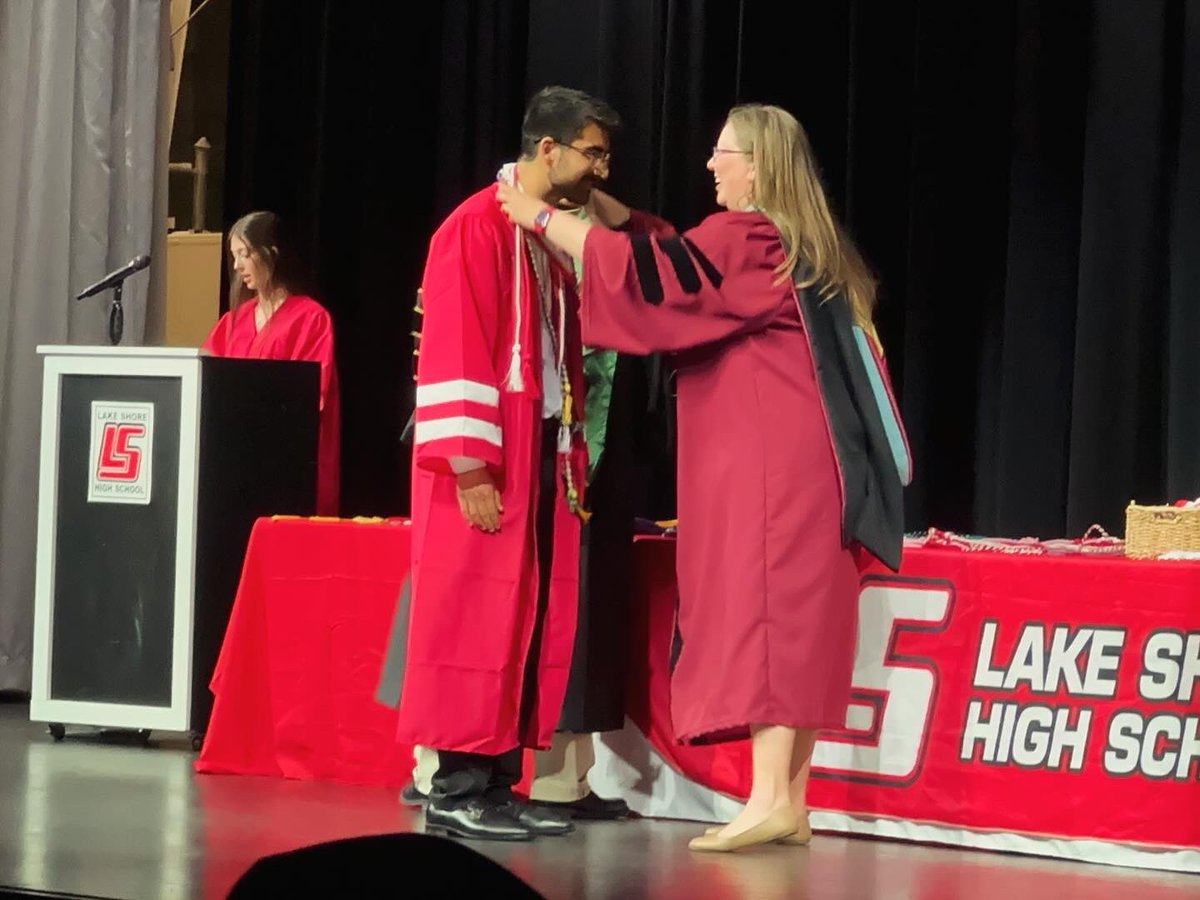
(710,270)
(685,269)
(647,269)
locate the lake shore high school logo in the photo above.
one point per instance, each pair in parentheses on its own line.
(121,451)
(894,695)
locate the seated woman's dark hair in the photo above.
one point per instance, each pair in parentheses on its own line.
(267,235)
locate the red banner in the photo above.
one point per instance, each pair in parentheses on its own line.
(1041,696)
(1031,703)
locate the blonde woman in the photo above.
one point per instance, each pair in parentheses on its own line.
(784,461)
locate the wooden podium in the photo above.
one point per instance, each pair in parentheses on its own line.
(155,463)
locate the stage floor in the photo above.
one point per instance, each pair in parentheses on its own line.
(111,820)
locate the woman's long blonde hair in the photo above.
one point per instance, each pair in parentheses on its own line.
(788,190)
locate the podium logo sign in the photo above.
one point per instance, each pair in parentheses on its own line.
(122,447)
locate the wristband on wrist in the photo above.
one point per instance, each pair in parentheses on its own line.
(542,220)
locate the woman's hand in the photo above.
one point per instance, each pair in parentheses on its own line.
(521,209)
(607,210)
(564,231)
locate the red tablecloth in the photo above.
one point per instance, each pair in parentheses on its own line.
(1045,696)
(295,683)
(1051,697)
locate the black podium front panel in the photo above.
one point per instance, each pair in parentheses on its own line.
(117,517)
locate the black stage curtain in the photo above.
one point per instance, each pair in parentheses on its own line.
(365,127)
(1024,176)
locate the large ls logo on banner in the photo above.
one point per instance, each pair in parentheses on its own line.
(892,700)
(121,452)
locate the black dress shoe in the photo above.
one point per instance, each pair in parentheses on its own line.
(475,819)
(410,796)
(593,807)
(537,819)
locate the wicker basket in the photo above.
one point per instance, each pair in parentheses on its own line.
(1151,531)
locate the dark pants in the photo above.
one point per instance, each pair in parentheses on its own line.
(461,776)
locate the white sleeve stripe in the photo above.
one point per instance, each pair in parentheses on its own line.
(457,427)
(451,391)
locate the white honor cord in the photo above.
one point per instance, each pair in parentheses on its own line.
(515,381)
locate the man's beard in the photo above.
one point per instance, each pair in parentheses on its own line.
(577,193)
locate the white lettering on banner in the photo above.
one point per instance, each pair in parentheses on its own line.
(1031,736)
(1028,663)
(1082,661)
(1063,664)
(1124,744)
(985,675)
(1158,747)
(1102,666)
(1170,666)
(1031,744)
(888,721)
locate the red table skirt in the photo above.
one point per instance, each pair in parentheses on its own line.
(295,683)
(1047,696)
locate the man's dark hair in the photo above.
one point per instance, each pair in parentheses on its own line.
(562,113)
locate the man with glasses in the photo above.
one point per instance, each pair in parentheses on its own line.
(498,482)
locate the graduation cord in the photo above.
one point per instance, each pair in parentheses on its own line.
(568,414)
(515,381)
(545,286)
(545,278)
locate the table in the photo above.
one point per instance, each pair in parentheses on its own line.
(295,682)
(1040,704)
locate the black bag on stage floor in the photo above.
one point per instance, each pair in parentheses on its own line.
(385,865)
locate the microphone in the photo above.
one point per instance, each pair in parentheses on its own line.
(113,278)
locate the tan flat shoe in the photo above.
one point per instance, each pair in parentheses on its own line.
(802,837)
(781,823)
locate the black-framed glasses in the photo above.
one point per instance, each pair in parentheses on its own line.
(595,155)
(717,151)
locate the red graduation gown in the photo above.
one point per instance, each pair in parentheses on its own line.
(300,329)
(475,595)
(767,591)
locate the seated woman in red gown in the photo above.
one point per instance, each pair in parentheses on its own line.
(784,461)
(271,318)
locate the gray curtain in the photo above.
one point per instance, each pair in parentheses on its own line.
(80,194)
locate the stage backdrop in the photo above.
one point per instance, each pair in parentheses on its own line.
(82,191)
(1025,176)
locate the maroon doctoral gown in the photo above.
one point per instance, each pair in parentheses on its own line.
(767,590)
(300,329)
